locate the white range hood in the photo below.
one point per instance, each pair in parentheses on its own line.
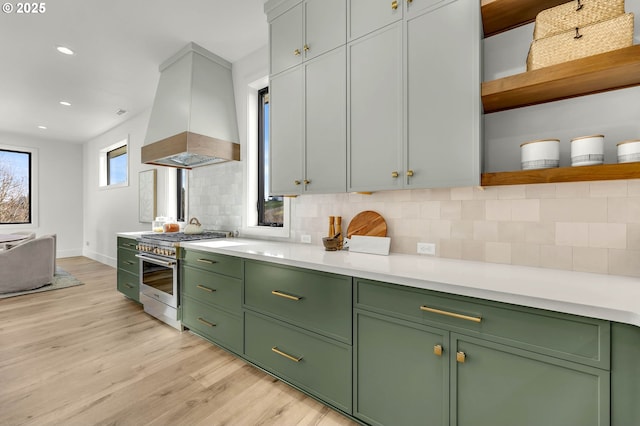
(193,119)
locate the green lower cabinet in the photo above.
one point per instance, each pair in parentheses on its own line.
(317,365)
(214,324)
(625,375)
(402,372)
(497,385)
(129,284)
(128,272)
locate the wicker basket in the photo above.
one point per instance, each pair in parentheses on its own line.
(578,43)
(576,13)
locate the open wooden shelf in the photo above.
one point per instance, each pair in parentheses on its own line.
(563,174)
(503,15)
(598,73)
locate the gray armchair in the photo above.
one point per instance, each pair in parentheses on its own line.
(28,265)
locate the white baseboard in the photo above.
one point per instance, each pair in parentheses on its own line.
(107,260)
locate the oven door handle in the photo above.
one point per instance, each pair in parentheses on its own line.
(156,261)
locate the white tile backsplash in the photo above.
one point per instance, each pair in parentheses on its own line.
(582,226)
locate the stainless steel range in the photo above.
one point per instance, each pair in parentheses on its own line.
(160,273)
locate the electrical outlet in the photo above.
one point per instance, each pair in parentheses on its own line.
(305,239)
(427,248)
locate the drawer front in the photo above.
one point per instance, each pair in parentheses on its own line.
(570,337)
(129,285)
(315,364)
(214,324)
(212,262)
(219,290)
(128,261)
(127,243)
(317,301)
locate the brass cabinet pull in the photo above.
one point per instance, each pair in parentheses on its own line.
(296,52)
(201,287)
(307,181)
(205,322)
(210,262)
(409,1)
(129,262)
(306,47)
(287,356)
(285,295)
(450,314)
(394,5)
(437,350)
(410,173)
(128,285)
(394,174)
(461,357)
(297,182)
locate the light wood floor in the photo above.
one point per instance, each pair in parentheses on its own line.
(86,355)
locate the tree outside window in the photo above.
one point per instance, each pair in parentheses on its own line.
(15,187)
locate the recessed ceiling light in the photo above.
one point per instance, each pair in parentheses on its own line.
(42,127)
(65,50)
(65,103)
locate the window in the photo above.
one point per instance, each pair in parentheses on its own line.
(270,207)
(181,195)
(114,165)
(16,187)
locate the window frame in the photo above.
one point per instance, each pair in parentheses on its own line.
(250,219)
(262,154)
(104,165)
(33,187)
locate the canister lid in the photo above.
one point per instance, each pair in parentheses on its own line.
(628,141)
(587,137)
(539,140)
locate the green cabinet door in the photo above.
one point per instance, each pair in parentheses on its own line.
(402,372)
(128,273)
(497,385)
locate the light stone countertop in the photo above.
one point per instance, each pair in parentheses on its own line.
(609,297)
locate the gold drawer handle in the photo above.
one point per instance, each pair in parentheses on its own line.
(296,52)
(286,296)
(461,357)
(205,322)
(450,314)
(306,47)
(210,262)
(394,174)
(437,350)
(410,173)
(287,356)
(201,287)
(394,5)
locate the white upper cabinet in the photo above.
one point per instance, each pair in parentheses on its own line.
(443,96)
(367,16)
(286,105)
(325,26)
(286,40)
(306,30)
(375,110)
(326,123)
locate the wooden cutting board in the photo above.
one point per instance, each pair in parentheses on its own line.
(368,223)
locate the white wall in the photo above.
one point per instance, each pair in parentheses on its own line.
(59,192)
(109,211)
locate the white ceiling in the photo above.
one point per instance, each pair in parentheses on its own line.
(119,45)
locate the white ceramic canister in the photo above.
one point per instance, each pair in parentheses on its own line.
(587,150)
(540,154)
(629,151)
